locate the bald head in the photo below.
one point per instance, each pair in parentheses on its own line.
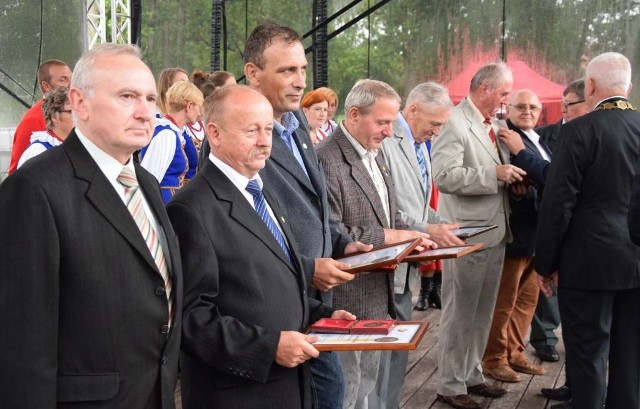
(524,109)
(608,75)
(239,123)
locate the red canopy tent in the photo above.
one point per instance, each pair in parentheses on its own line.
(549,93)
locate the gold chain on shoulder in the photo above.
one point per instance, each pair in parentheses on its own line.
(620,104)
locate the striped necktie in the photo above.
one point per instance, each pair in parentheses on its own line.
(133,198)
(423,165)
(261,207)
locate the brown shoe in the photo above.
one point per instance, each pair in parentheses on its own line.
(524,366)
(484,389)
(460,401)
(503,373)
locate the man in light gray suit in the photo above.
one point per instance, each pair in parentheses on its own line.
(427,109)
(472,173)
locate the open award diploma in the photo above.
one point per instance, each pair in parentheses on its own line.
(380,256)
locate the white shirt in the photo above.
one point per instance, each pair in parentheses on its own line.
(368,157)
(111,168)
(535,138)
(240,182)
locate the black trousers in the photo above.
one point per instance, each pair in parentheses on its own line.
(600,328)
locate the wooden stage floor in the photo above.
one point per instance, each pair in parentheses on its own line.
(421,378)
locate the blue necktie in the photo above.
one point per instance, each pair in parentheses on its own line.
(261,208)
(423,165)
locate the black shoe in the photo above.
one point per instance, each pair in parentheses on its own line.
(548,353)
(435,296)
(563,405)
(562,393)
(426,287)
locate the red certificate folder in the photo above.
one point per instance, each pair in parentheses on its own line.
(333,326)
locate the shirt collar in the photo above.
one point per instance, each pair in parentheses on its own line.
(476,110)
(240,181)
(360,150)
(107,163)
(407,128)
(289,123)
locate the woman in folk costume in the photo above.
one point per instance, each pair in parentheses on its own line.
(57,114)
(170,156)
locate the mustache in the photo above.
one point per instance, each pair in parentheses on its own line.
(260,151)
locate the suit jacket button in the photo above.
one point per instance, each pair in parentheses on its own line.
(160,291)
(164,329)
(164,360)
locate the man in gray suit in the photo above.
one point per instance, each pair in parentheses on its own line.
(427,109)
(362,199)
(471,172)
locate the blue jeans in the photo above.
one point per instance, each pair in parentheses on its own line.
(327,381)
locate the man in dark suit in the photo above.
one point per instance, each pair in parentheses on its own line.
(583,241)
(275,65)
(518,292)
(245,299)
(363,200)
(547,317)
(90,318)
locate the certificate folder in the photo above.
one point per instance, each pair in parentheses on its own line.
(442,252)
(472,231)
(379,257)
(405,335)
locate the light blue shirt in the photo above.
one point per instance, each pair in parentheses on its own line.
(285,130)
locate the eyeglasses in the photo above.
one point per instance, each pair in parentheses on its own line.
(524,107)
(568,104)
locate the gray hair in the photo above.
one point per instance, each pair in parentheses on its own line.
(430,93)
(575,87)
(53,104)
(365,93)
(493,74)
(611,70)
(82,78)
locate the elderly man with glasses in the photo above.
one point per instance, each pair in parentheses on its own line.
(518,293)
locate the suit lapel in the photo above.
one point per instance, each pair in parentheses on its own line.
(149,186)
(527,141)
(104,198)
(410,153)
(282,155)
(242,212)
(361,175)
(477,129)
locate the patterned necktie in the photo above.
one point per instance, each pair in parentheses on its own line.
(423,165)
(261,208)
(492,134)
(133,198)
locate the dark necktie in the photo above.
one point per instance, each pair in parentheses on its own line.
(492,134)
(423,165)
(261,208)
